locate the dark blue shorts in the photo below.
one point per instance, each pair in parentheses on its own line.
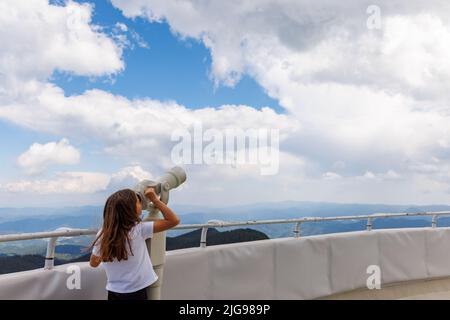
(138,295)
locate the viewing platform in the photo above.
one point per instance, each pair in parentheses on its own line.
(410,263)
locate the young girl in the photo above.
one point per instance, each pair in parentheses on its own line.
(120,244)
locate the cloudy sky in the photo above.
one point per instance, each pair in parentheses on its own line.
(91,92)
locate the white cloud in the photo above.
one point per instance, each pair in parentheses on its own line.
(38,38)
(65,182)
(139,40)
(389,175)
(121,26)
(324,41)
(80,182)
(40,156)
(369,175)
(134,129)
(331,175)
(128,177)
(127,38)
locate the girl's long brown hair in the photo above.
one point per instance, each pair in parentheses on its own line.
(119,216)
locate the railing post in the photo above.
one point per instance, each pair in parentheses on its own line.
(203,238)
(50,255)
(297,230)
(369,224)
(434,221)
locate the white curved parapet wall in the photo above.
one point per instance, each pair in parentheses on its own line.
(286,268)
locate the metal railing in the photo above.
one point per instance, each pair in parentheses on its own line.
(68,232)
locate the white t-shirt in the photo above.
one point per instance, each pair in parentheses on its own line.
(135,273)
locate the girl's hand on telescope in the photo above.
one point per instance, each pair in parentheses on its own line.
(150,193)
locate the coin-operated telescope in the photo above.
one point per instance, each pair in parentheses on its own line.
(157,244)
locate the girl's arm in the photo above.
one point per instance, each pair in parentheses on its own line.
(94,261)
(170,218)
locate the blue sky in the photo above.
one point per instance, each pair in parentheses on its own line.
(170,69)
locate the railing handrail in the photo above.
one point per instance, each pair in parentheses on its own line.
(46,234)
(217,224)
(67,232)
(309,219)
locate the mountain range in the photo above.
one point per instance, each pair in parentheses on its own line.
(18,220)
